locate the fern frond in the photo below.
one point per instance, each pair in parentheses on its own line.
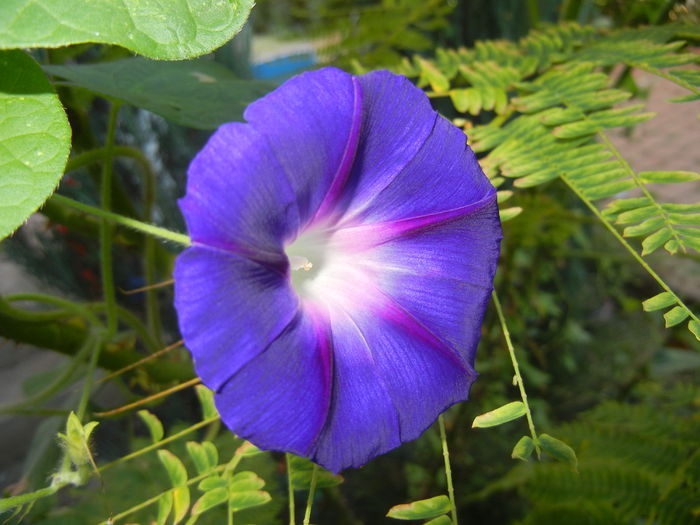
(630,471)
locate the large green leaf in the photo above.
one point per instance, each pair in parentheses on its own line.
(199,93)
(34,139)
(172,29)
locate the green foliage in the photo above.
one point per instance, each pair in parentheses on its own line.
(423,509)
(170,30)
(198,94)
(637,463)
(500,415)
(553,107)
(34,139)
(376,32)
(537,111)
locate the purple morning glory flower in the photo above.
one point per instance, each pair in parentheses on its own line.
(344,243)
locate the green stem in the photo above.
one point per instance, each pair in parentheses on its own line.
(57,385)
(15,501)
(128,318)
(533,13)
(148,229)
(99,154)
(310,499)
(448,469)
(95,343)
(154,499)
(642,187)
(290,490)
(106,226)
(627,246)
(55,301)
(159,444)
(516,368)
(660,73)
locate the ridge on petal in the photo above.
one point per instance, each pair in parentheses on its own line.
(364,237)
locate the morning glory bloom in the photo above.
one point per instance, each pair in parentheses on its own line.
(344,243)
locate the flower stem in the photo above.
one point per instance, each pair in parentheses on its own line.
(310,499)
(448,469)
(516,369)
(106,226)
(290,490)
(148,229)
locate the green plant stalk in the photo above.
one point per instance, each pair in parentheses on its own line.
(148,229)
(99,154)
(310,499)
(66,304)
(30,497)
(106,226)
(660,73)
(54,387)
(95,343)
(448,469)
(290,489)
(149,260)
(628,247)
(154,499)
(516,369)
(68,337)
(641,186)
(159,444)
(135,323)
(102,155)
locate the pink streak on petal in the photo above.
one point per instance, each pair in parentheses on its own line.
(364,237)
(341,176)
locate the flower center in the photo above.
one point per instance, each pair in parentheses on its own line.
(307,255)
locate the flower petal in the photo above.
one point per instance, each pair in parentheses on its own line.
(363,421)
(396,120)
(280,399)
(420,374)
(312,123)
(238,197)
(443,175)
(443,276)
(229,309)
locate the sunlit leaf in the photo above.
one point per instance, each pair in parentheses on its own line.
(658,302)
(501,415)
(204,455)
(172,30)
(523,448)
(651,177)
(250,498)
(34,138)
(675,316)
(165,505)
(155,427)
(206,400)
(209,500)
(423,509)
(243,481)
